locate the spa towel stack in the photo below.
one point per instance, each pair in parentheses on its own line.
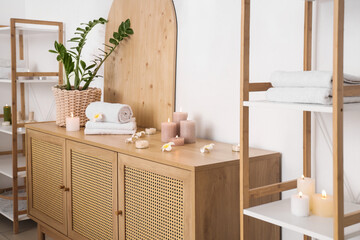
(115,119)
(306,87)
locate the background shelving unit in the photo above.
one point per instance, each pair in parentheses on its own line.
(346,215)
(12,163)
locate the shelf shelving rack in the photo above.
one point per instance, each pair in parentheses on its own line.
(279,212)
(9,159)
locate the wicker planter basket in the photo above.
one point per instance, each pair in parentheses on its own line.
(74,101)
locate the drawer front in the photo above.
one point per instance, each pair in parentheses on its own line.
(153,197)
(46,173)
(92,198)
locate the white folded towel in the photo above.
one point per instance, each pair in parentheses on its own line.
(112,112)
(111,126)
(7,63)
(89,131)
(5,72)
(304,95)
(321,79)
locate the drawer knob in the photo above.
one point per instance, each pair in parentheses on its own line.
(119,212)
(62,187)
(66,189)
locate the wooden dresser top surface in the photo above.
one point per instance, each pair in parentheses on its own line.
(186,157)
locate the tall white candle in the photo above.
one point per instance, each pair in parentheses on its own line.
(300,205)
(306,185)
(72,123)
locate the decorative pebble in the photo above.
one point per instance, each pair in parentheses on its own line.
(236,148)
(142,144)
(167,147)
(207,148)
(150,131)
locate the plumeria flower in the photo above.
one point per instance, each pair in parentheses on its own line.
(167,147)
(207,148)
(98,117)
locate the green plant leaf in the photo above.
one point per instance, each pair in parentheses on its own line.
(80,29)
(113,41)
(116,35)
(127,23)
(129,31)
(53,51)
(83,64)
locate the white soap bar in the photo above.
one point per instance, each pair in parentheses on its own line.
(141,144)
(150,131)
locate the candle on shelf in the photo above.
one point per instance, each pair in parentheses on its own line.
(323,205)
(31,117)
(179,141)
(7,113)
(300,205)
(177,117)
(168,130)
(188,131)
(307,187)
(72,123)
(19,117)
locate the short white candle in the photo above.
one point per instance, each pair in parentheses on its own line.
(300,205)
(72,123)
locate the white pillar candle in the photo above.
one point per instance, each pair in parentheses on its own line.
(306,185)
(72,123)
(323,205)
(300,205)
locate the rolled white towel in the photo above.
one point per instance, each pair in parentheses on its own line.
(89,131)
(309,79)
(304,95)
(109,125)
(112,112)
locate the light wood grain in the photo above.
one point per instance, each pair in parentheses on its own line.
(259,87)
(272,189)
(351,91)
(338,154)
(37,74)
(141,72)
(351,219)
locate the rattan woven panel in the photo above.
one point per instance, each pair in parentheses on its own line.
(154,206)
(92,196)
(47,176)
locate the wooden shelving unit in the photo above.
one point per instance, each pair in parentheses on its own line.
(346,215)
(12,164)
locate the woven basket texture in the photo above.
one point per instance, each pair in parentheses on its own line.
(74,101)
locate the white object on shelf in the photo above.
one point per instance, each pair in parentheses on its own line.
(6,206)
(300,205)
(8,130)
(279,213)
(31,81)
(300,106)
(6,165)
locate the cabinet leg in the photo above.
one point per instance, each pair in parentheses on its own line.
(40,234)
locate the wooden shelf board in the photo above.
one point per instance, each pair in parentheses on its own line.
(31,81)
(8,130)
(6,165)
(6,206)
(300,106)
(279,213)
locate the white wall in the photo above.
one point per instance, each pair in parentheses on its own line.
(208,71)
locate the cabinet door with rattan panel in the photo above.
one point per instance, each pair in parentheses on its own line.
(156,200)
(92,197)
(46,179)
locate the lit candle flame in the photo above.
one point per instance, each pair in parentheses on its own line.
(300,194)
(72,114)
(302,177)
(323,194)
(177,136)
(6,105)
(168,119)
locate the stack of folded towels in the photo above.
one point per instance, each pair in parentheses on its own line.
(109,118)
(306,87)
(5,67)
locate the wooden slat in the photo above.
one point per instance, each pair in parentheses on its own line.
(22,211)
(40,22)
(1,115)
(22,100)
(9,152)
(21,45)
(36,74)
(352,218)
(21,169)
(61,40)
(244,117)
(259,87)
(351,91)
(273,188)
(338,163)
(12,197)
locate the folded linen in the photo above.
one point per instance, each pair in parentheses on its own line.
(89,131)
(112,112)
(7,63)
(5,72)
(112,126)
(304,95)
(321,79)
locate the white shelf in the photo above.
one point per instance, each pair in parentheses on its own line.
(6,206)
(279,213)
(8,129)
(31,81)
(301,106)
(30,29)
(6,165)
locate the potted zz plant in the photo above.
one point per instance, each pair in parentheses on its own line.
(75,98)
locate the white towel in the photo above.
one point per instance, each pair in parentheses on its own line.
(111,126)
(311,79)
(7,63)
(304,95)
(89,131)
(112,112)
(5,72)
